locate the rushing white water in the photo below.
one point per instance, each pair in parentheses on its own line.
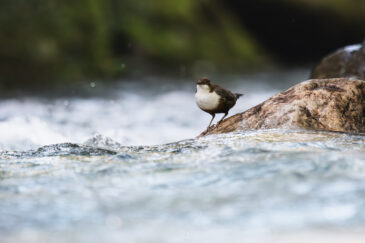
(133,113)
(257,186)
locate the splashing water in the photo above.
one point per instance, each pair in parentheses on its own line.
(60,183)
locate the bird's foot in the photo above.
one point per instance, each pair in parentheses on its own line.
(209,128)
(212,126)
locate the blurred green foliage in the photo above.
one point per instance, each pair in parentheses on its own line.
(43,42)
(182,31)
(47,41)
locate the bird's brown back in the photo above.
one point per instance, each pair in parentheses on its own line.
(227,98)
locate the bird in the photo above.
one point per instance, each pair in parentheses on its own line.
(214,99)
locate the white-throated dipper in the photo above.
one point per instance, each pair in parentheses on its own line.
(214,99)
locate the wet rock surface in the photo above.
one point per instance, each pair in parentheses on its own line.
(318,104)
(346,62)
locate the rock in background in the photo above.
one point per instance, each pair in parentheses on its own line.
(346,62)
(319,104)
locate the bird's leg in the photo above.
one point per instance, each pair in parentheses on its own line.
(225,114)
(213,115)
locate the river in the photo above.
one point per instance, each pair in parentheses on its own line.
(121,164)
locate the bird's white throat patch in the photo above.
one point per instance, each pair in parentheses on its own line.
(205,99)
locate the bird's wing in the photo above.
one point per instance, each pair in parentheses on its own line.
(225,94)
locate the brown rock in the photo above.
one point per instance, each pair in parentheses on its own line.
(346,62)
(319,104)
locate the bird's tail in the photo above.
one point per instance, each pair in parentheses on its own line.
(238,95)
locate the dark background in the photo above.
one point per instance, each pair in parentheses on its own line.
(49,43)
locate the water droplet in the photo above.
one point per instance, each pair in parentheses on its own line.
(92,84)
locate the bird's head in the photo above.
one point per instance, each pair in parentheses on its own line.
(203,81)
(203,84)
